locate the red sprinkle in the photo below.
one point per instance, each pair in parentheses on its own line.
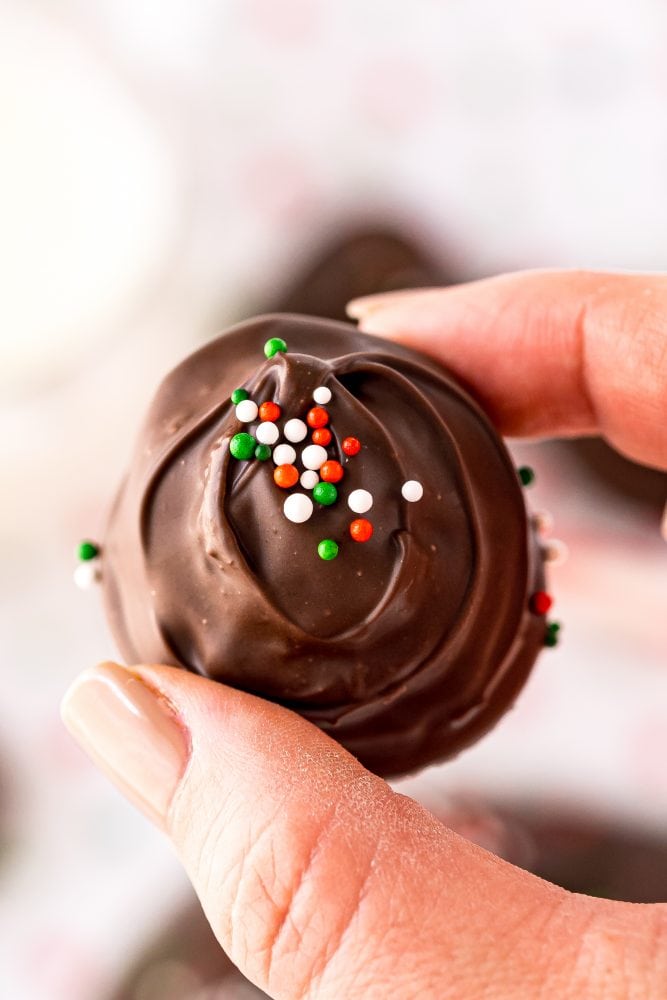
(317,417)
(322,436)
(332,472)
(269,411)
(361,529)
(540,602)
(285,476)
(351,446)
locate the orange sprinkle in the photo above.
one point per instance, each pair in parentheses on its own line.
(317,417)
(321,436)
(269,411)
(331,472)
(361,529)
(285,476)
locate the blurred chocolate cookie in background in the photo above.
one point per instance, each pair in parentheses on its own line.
(631,483)
(362,261)
(185,962)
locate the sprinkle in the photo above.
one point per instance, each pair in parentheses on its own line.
(327,549)
(309,479)
(526,475)
(556,552)
(360,501)
(412,490)
(551,635)
(321,436)
(274,345)
(542,522)
(262,452)
(540,602)
(298,508)
(238,396)
(87,574)
(322,395)
(284,454)
(285,476)
(246,411)
(332,472)
(242,446)
(325,494)
(267,432)
(314,456)
(317,417)
(361,529)
(269,411)
(87,550)
(351,445)
(295,430)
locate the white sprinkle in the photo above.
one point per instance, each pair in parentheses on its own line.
(314,456)
(298,507)
(87,574)
(555,552)
(295,430)
(322,395)
(284,454)
(542,522)
(246,411)
(412,490)
(309,479)
(360,501)
(267,432)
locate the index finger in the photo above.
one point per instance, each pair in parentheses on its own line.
(547,353)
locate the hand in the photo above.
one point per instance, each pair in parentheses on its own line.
(317,878)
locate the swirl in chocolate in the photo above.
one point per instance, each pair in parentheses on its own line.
(405,647)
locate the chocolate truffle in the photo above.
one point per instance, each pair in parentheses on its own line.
(387,595)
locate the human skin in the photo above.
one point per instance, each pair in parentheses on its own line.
(318,879)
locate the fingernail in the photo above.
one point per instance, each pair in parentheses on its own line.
(363,307)
(131,733)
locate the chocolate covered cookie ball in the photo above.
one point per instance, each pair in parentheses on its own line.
(328,520)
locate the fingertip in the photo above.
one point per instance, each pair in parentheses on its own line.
(131,732)
(547,353)
(364,308)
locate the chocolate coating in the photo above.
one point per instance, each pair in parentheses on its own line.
(405,648)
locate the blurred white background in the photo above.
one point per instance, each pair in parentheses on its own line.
(165,168)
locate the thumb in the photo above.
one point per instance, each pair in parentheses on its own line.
(319,880)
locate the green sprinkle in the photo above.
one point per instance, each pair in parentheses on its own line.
(87,550)
(274,345)
(551,637)
(327,549)
(325,493)
(238,396)
(262,452)
(526,475)
(242,446)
